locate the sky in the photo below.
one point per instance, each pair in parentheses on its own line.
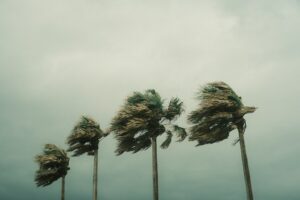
(62,59)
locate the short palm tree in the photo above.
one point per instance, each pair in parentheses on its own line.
(221,111)
(53,164)
(141,120)
(85,138)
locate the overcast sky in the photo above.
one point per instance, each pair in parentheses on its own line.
(63,59)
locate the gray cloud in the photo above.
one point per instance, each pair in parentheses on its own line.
(61,59)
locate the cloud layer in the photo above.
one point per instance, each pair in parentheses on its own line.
(61,59)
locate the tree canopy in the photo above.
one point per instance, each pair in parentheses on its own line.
(142,117)
(220,111)
(53,164)
(85,137)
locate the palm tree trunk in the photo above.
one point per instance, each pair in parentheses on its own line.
(95,175)
(245,165)
(63,188)
(154,168)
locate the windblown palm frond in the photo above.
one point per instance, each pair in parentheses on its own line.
(53,164)
(168,140)
(220,111)
(140,119)
(180,132)
(85,137)
(174,109)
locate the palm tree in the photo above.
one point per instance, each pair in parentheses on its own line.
(141,120)
(220,112)
(53,164)
(85,138)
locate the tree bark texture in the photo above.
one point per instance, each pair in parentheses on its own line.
(63,188)
(95,175)
(245,165)
(154,169)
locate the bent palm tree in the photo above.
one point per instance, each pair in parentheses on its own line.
(141,120)
(85,138)
(221,111)
(53,164)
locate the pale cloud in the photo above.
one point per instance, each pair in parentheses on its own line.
(61,59)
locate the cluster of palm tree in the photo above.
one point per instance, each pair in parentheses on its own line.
(139,122)
(54,163)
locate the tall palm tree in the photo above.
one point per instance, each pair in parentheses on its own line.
(53,164)
(85,138)
(220,112)
(141,120)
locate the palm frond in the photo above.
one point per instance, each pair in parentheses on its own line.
(142,142)
(125,144)
(180,132)
(150,98)
(153,100)
(174,109)
(136,98)
(168,140)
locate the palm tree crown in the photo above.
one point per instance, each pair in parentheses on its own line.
(220,111)
(54,164)
(141,118)
(85,137)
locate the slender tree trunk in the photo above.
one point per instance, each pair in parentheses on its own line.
(95,175)
(245,165)
(63,188)
(154,168)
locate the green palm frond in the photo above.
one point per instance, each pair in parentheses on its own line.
(150,98)
(180,132)
(85,137)
(142,142)
(140,119)
(53,164)
(153,100)
(136,98)
(125,144)
(174,109)
(220,111)
(168,140)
